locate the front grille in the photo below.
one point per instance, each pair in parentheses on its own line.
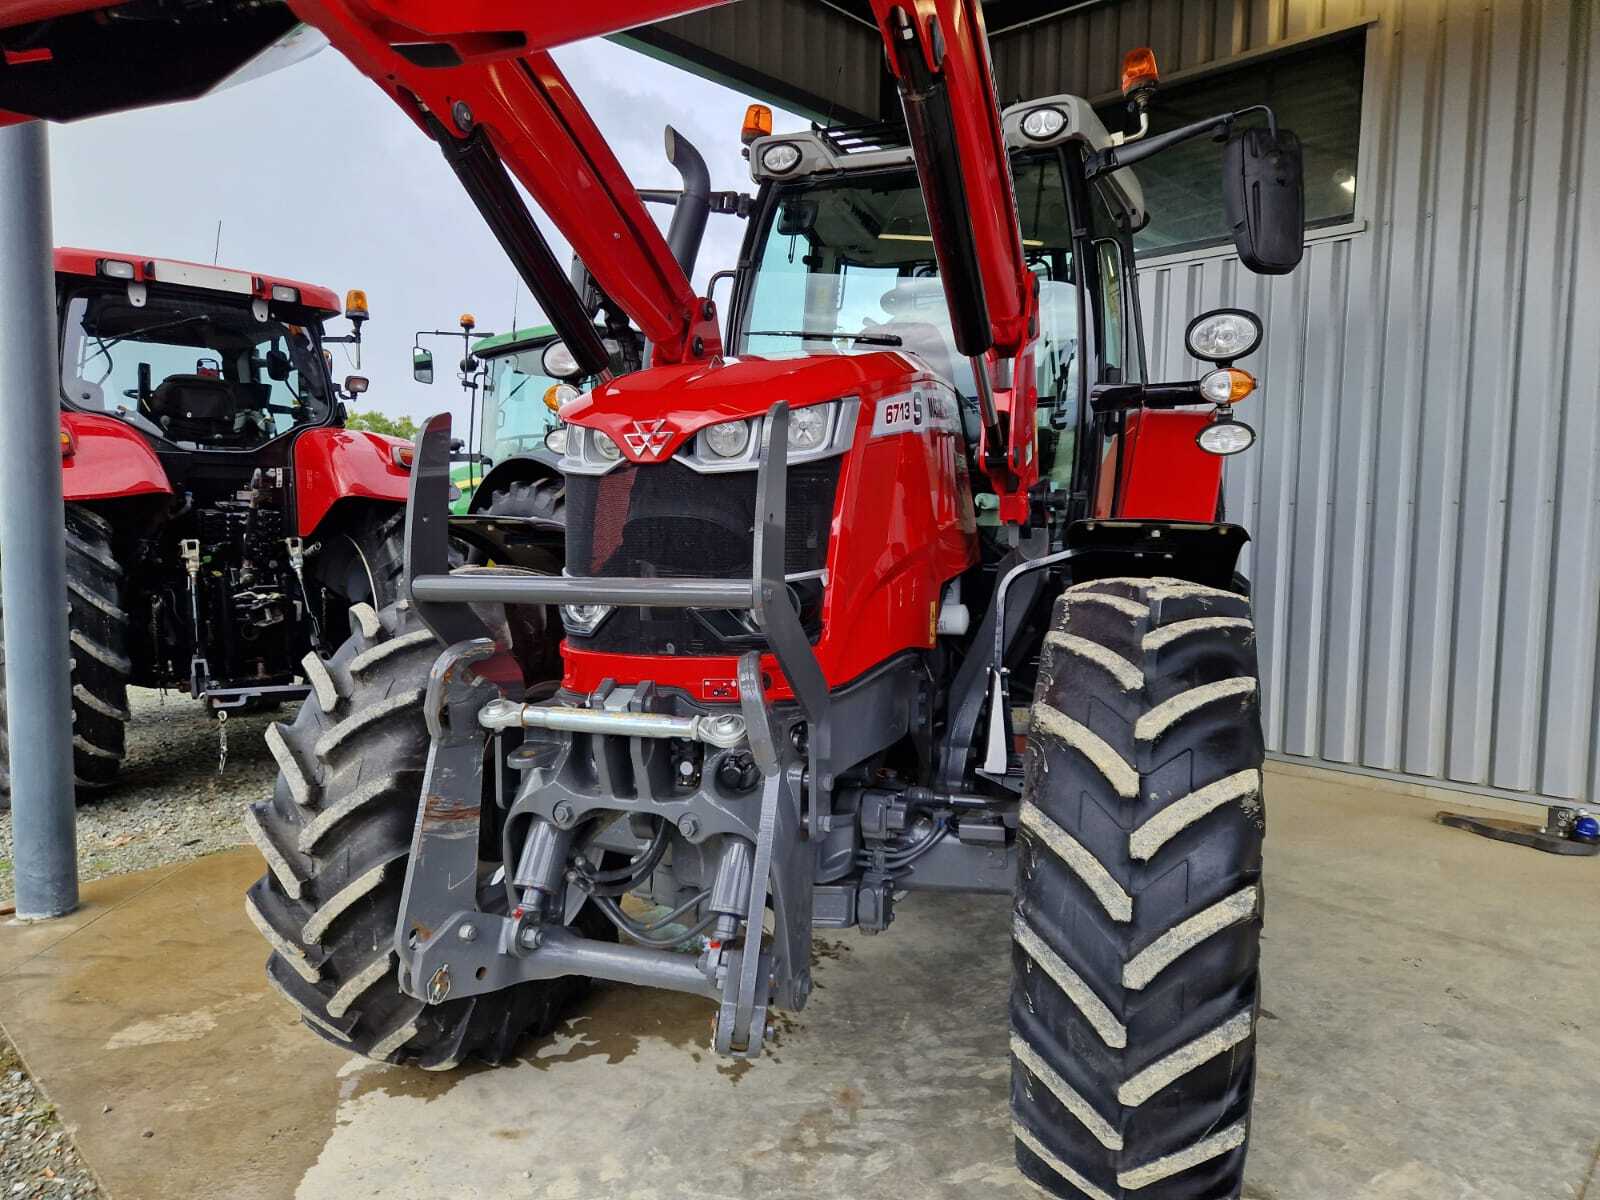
(664,520)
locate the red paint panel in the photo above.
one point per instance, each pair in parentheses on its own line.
(690,397)
(333,464)
(74,260)
(1165,474)
(109,460)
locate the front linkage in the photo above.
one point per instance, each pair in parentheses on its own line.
(744,796)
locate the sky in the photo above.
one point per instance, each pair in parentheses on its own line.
(316,175)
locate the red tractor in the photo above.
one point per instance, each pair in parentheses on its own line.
(922,586)
(220,519)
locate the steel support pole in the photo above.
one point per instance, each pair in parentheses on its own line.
(33,582)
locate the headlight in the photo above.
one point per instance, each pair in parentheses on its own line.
(1229,385)
(583,619)
(604,446)
(1226,437)
(1223,335)
(808,427)
(1044,123)
(779,158)
(556,440)
(729,439)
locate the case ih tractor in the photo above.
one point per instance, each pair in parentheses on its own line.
(220,521)
(914,582)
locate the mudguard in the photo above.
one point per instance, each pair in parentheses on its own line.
(336,464)
(107,460)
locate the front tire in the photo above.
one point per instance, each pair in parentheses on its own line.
(1138,899)
(336,836)
(98,632)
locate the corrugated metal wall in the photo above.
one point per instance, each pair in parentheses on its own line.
(1426,495)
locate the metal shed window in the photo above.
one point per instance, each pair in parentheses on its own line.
(1315,92)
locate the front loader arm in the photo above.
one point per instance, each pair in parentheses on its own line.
(462,83)
(938,54)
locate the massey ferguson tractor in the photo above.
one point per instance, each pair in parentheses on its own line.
(220,521)
(907,580)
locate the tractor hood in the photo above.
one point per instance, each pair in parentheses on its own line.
(680,400)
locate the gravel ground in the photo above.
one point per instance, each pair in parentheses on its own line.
(36,1155)
(169,803)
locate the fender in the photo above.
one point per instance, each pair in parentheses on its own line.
(1165,475)
(332,464)
(107,460)
(525,468)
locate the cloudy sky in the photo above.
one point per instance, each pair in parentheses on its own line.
(317,175)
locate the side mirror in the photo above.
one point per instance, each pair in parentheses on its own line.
(356,384)
(558,362)
(422,365)
(278,365)
(1263,199)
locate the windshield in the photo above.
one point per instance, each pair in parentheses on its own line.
(201,371)
(849,264)
(515,416)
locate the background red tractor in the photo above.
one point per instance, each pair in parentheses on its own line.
(220,520)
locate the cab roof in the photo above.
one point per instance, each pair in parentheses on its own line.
(489,346)
(74,260)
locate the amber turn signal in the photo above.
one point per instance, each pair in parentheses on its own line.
(757,123)
(1139,70)
(1227,385)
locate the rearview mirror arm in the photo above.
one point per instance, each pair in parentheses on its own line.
(1114,158)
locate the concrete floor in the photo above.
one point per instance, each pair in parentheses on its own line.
(1430,1034)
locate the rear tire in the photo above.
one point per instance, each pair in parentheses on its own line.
(336,836)
(98,631)
(541,499)
(1138,899)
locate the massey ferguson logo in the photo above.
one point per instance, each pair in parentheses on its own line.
(648,438)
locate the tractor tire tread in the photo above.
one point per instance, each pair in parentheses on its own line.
(1136,930)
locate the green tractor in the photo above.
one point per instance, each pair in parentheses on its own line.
(515,451)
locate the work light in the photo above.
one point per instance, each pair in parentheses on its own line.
(1044,123)
(1226,437)
(1223,335)
(780,158)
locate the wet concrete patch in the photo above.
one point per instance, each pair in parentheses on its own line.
(1427,1037)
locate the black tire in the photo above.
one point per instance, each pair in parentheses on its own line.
(98,630)
(1136,931)
(543,499)
(366,562)
(336,836)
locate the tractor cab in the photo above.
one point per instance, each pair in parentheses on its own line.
(842,261)
(193,356)
(520,421)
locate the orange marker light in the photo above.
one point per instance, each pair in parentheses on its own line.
(1139,70)
(468,321)
(69,444)
(355,305)
(1227,385)
(757,123)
